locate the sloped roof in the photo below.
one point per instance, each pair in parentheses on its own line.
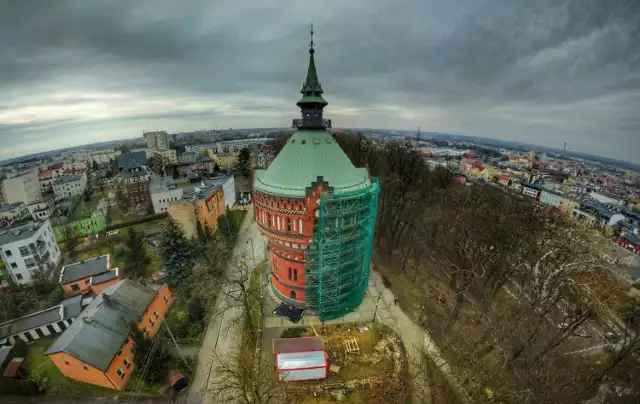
(84,269)
(30,321)
(302,344)
(97,337)
(308,156)
(132,158)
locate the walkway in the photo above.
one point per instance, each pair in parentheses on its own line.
(416,340)
(224,331)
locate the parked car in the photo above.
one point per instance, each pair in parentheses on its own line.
(112,233)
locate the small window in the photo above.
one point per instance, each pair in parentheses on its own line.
(14,266)
(121,373)
(151,321)
(144,331)
(290,272)
(304,141)
(293,294)
(75,287)
(24,251)
(155,313)
(8,253)
(126,363)
(67,363)
(86,282)
(295,275)
(85,367)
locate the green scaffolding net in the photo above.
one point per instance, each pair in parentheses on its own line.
(338,260)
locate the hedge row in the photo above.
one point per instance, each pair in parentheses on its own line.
(150,218)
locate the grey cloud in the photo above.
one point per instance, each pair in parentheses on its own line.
(514,69)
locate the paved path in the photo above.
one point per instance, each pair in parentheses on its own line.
(416,341)
(223,333)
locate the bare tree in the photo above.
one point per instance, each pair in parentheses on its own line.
(241,377)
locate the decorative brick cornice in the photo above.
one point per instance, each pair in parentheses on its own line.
(277,233)
(280,210)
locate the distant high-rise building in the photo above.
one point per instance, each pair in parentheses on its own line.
(531,156)
(157,140)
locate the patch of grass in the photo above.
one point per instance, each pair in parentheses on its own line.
(355,397)
(41,368)
(237,216)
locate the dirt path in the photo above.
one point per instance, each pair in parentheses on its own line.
(417,342)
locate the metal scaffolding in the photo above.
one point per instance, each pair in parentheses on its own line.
(338,260)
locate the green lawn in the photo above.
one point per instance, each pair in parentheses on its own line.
(43,370)
(238,216)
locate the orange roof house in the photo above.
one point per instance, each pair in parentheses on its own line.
(97,347)
(93,275)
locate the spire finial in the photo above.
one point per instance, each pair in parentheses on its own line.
(311,43)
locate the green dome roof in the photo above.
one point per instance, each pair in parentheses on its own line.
(308,155)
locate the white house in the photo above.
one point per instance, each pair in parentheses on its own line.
(70,185)
(41,209)
(28,248)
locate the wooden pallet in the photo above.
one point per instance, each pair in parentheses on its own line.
(351,346)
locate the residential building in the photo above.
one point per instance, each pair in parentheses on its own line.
(45,323)
(98,348)
(504,180)
(164,190)
(184,214)
(607,199)
(92,275)
(550,198)
(132,158)
(46,179)
(169,156)
(24,187)
(225,161)
(157,140)
(74,167)
(194,168)
(631,242)
(568,204)
(28,248)
(11,212)
(203,205)
(135,179)
(586,218)
(531,190)
(228,187)
(103,156)
(69,186)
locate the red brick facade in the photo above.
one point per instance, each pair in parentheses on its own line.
(288,224)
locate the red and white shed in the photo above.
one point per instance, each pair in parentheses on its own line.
(300,359)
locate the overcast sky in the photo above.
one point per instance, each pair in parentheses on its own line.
(537,71)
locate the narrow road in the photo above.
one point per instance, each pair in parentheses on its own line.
(223,332)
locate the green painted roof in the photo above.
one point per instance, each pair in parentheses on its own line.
(311,89)
(310,154)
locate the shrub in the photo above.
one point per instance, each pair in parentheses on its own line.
(294,332)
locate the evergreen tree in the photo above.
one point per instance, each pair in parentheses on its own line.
(226,225)
(244,162)
(136,258)
(175,252)
(156,363)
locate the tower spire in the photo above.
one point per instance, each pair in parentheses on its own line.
(312,102)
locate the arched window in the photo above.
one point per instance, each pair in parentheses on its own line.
(295,275)
(288,224)
(289,273)
(293,294)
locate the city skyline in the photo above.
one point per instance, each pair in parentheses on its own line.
(537,74)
